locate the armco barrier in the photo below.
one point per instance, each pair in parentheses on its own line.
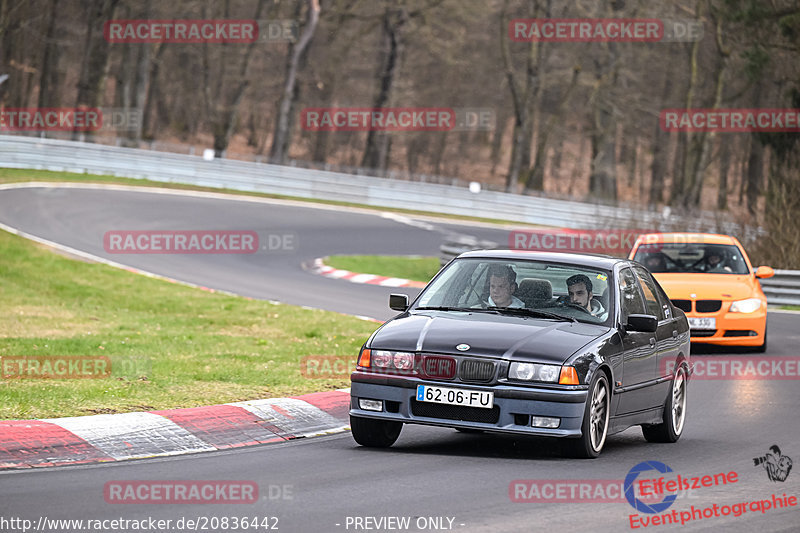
(18,151)
(781,289)
(24,152)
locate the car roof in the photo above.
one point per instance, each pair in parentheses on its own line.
(686,238)
(584,260)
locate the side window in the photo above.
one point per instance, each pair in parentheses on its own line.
(648,287)
(631,299)
(663,299)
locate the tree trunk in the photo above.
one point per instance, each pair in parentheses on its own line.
(280,142)
(49,95)
(603,175)
(755,175)
(376,152)
(523,97)
(535,176)
(148,130)
(96,50)
(658,168)
(724,168)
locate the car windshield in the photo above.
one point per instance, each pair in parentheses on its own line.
(522,288)
(692,257)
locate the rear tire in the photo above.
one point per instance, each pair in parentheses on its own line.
(671,428)
(375,433)
(594,428)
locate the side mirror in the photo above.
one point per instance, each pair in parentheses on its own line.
(647,323)
(398,302)
(764,272)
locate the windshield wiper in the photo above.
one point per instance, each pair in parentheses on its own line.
(532,312)
(445,308)
(462,309)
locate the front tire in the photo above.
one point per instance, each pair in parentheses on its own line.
(374,433)
(594,428)
(763,347)
(671,428)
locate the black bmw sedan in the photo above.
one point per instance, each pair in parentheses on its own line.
(547,344)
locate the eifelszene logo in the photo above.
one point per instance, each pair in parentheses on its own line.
(638,504)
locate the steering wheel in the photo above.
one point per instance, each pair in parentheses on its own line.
(576,306)
(565,302)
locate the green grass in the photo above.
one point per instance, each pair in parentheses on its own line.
(169,345)
(393,266)
(791,307)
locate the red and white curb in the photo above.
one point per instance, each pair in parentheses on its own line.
(118,437)
(319,267)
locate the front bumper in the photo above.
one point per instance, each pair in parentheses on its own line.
(513,405)
(732,328)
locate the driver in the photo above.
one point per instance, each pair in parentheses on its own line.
(714,262)
(579,287)
(502,285)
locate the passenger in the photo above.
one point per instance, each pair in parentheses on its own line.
(502,286)
(579,287)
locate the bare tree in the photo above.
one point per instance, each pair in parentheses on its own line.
(280,142)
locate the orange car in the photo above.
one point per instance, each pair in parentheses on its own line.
(711,279)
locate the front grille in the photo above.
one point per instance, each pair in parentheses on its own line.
(455,412)
(472,370)
(708,306)
(703,332)
(683,305)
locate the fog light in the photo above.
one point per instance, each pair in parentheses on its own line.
(370,405)
(545,422)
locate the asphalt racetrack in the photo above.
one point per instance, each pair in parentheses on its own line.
(437,479)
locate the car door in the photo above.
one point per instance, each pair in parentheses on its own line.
(639,348)
(667,337)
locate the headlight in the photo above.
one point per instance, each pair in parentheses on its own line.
(381,359)
(533,372)
(393,360)
(750,305)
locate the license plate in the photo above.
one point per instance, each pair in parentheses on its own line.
(467,398)
(702,323)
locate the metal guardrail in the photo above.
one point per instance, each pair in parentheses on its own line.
(781,289)
(52,154)
(73,156)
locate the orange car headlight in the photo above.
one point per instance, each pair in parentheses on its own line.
(750,305)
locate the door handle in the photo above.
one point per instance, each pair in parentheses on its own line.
(652,342)
(674,334)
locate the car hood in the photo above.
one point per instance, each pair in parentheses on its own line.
(490,335)
(707,286)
